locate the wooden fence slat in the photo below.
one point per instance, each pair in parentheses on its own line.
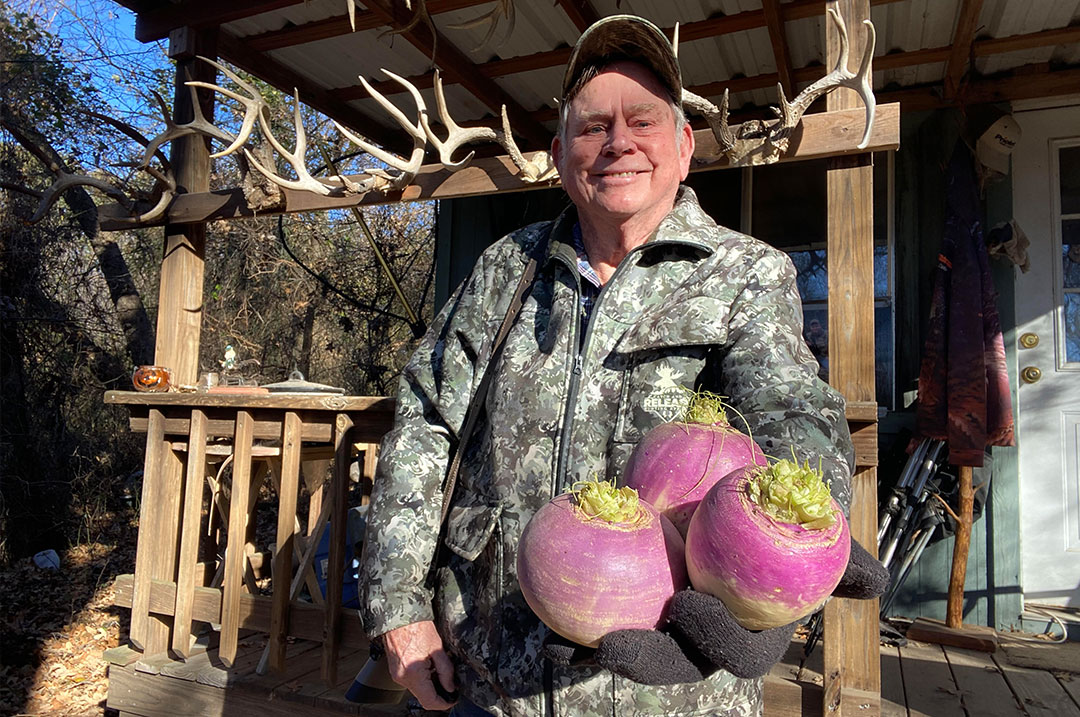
(234,548)
(189,533)
(335,574)
(286,530)
(148,633)
(306,621)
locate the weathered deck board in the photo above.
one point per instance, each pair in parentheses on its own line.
(1071,684)
(983,690)
(917,680)
(1038,691)
(928,682)
(893,703)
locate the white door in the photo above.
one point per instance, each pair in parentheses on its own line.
(1046,205)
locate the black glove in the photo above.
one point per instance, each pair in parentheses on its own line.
(701,635)
(864,578)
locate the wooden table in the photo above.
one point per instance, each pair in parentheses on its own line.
(186,433)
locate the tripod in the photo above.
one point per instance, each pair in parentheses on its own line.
(906,523)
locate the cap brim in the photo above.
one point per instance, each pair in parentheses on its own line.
(628,37)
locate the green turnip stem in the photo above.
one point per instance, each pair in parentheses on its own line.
(602,500)
(705,408)
(790,493)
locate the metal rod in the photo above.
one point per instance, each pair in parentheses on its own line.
(417,326)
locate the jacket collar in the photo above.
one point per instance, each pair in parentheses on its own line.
(681,227)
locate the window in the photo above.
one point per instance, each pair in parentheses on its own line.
(787,207)
(1067,220)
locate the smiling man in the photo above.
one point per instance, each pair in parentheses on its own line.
(638,298)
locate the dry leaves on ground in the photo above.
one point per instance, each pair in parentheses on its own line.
(55,625)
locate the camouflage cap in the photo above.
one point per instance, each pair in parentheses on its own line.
(629,37)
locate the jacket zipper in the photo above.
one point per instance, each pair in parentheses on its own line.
(578,369)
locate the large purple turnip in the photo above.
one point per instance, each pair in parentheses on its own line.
(770,542)
(596,560)
(676,464)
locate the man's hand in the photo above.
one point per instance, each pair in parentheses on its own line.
(418,662)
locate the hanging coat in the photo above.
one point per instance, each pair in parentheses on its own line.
(963,383)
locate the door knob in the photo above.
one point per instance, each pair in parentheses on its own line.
(1029,340)
(1030,374)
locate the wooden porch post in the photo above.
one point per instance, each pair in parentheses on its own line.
(179,320)
(851,647)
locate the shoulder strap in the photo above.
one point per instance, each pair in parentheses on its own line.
(477,402)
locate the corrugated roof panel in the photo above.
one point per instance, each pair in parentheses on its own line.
(902,26)
(1004,19)
(298,14)
(537,27)
(536,89)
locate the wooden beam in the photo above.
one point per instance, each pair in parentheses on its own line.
(457,67)
(689,32)
(285,79)
(774,21)
(820,135)
(580,12)
(960,55)
(852,667)
(1017,85)
(339,25)
(158,23)
(1045,38)
(180,288)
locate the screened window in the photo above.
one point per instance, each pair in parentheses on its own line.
(788,209)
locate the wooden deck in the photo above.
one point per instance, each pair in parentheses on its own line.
(917,680)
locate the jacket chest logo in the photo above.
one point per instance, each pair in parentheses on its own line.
(668,397)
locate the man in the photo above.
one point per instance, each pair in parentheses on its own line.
(638,296)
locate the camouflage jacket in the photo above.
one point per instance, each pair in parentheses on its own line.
(697,306)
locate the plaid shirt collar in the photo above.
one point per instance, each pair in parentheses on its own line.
(584,267)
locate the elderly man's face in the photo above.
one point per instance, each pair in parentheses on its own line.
(622,159)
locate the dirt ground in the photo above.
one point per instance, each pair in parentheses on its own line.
(54,625)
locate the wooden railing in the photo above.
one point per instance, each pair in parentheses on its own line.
(197,552)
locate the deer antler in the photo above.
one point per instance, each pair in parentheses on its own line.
(503,8)
(304,180)
(791,113)
(761,143)
(407,170)
(199,125)
(254,107)
(65,181)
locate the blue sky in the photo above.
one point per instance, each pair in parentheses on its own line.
(98,37)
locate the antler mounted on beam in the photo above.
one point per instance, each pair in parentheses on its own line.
(753,143)
(763,142)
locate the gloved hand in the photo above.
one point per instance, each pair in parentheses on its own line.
(864,578)
(701,635)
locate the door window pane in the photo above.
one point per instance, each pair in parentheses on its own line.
(1070,253)
(1069,166)
(1072,327)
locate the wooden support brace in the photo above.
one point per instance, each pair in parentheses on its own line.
(189,534)
(335,577)
(286,530)
(234,549)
